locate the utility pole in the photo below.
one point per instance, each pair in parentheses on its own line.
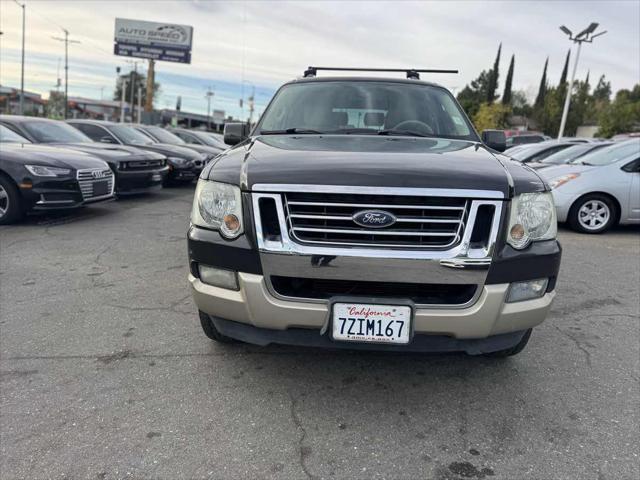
(584,36)
(122,93)
(148,104)
(139,109)
(134,75)
(22,5)
(209,95)
(66,68)
(251,104)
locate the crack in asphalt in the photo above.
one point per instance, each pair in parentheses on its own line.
(303,452)
(577,344)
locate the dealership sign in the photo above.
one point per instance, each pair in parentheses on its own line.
(158,41)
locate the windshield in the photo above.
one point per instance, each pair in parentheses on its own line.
(537,152)
(366,107)
(9,136)
(611,154)
(571,153)
(128,135)
(55,132)
(163,136)
(211,139)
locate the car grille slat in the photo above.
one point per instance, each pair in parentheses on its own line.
(420,222)
(88,177)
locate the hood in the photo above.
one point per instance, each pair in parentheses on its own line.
(113,153)
(170,150)
(32,154)
(559,170)
(364,160)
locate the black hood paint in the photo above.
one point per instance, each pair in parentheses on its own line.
(364,160)
(39,154)
(170,150)
(112,154)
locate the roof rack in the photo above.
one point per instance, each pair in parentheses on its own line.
(411,72)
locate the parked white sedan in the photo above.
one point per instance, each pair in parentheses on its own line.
(599,189)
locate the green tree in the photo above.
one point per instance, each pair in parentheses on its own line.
(622,115)
(139,80)
(520,104)
(492,116)
(472,95)
(493,77)
(506,96)
(563,76)
(602,90)
(542,89)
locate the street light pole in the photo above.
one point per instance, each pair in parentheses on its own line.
(209,96)
(584,36)
(22,5)
(66,68)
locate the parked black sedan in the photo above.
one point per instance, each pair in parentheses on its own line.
(199,137)
(136,170)
(160,135)
(42,177)
(184,164)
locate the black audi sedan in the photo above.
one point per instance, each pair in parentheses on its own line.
(136,170)
(42,177)
(184,164)
(160,135)
(200,137)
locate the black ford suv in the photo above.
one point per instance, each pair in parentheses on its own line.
(368,213)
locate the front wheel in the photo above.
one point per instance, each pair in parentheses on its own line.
(11,209)
(593,213)
(516,349)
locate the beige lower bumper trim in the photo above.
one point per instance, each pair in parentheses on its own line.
(253,304)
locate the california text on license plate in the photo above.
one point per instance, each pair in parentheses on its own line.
(357,322)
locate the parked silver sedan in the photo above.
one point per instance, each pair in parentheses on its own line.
(598,190)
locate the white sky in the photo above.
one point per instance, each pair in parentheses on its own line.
(269,42)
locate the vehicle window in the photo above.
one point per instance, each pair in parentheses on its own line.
(633,166)
(94,132)
(9,136)
(186,137)
(55,132)
(212,139)
(129,135)
(164,136)
(613,153)
(538,157)
(368,106)
(571,153)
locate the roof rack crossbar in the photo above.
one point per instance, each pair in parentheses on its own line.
(411,72)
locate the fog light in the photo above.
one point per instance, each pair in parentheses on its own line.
(218,277)
(519,291)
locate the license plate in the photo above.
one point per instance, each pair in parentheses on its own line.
(357,322)
(100,188)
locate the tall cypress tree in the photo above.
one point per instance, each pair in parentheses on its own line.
(493,81)
(586,80)
(506,96)
(542,90)
(563,77)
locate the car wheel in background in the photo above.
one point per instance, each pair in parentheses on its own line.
(10,203)
(593,213)
(211,331)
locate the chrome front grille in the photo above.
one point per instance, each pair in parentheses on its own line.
(92,183)
(423,222)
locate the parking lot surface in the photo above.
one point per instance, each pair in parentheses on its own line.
(105,373)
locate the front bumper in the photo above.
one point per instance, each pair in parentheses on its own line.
(255,306)
(56,194)
(138,181)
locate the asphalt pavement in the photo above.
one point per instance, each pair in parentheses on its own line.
(106,374)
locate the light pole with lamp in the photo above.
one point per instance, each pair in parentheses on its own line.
(584,36)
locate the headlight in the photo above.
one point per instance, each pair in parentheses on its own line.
(557,182)
(180,162)
(533,217)
(45,171)
(218,206)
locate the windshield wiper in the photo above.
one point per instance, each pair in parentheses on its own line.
(405,133)
(303,131)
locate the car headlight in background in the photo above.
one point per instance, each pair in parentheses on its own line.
(179,162)
(46,171)
(218,206)
(532,218)
(557,182)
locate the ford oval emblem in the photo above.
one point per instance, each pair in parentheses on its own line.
(374,218)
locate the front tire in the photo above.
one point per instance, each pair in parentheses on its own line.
(516,349)
(593,213)
(211,331)
(11,208)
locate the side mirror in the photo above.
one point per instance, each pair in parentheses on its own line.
(234,133)
(106,139)
(495,139)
